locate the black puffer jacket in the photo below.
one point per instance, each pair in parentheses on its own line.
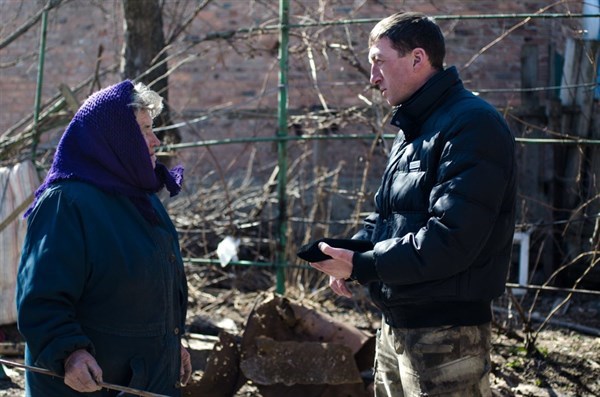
(445,210)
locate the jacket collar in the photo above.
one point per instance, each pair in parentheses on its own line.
(409,116)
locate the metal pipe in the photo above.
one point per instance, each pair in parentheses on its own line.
(208,261)
(335,137)
(522,238)
(282,131)
(40,82)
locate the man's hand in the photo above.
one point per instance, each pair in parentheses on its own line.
(338,285)
(185,372)
(339,268)
(82,372)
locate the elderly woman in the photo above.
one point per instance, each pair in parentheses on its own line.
(101,294)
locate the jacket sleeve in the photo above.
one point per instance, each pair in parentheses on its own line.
(475,168)
(51,279)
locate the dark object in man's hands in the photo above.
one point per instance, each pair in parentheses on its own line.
(311,253)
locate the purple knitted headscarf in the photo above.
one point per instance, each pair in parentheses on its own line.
(103,145)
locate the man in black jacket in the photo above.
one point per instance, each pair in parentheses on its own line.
(444,220)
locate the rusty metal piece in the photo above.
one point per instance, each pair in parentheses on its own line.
(321,326)
(222,376)
(292,350)
(292,363)
(289,350)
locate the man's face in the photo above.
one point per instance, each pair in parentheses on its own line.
(144,120)
(391,73)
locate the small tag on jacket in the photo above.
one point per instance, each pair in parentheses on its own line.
(414,165)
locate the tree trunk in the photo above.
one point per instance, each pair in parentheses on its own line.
(144,40)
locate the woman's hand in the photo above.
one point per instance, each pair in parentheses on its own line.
(82,372)
(185,372)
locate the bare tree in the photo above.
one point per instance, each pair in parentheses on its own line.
(144,54)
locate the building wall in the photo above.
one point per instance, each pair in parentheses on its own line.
(242,72)
(228,88)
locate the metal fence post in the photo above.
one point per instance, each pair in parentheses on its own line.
(282,113)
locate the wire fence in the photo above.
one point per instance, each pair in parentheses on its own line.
(315,185)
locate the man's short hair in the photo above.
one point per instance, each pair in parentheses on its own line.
(410,30)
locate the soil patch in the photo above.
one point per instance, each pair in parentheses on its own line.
(562,358)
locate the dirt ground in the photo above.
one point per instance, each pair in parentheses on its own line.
(565,360)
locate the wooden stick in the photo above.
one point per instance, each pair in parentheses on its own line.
(105,385)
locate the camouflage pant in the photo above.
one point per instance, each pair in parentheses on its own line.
(448,361)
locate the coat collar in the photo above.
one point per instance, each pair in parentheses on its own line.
(410,115)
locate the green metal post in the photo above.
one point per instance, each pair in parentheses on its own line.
(40,83)
(282,131)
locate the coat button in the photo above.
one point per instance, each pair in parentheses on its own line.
(176,331)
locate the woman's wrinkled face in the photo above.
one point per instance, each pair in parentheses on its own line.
(144,120)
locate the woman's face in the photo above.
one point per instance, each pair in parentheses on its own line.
(144,120)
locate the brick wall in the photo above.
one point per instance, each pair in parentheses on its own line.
(243,70)
(231,85)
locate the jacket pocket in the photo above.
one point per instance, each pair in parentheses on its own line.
(409,192)
(447,289)
(139,376)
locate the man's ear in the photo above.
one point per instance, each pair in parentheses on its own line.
(419,56)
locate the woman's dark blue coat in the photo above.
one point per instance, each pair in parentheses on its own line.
(95,274)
